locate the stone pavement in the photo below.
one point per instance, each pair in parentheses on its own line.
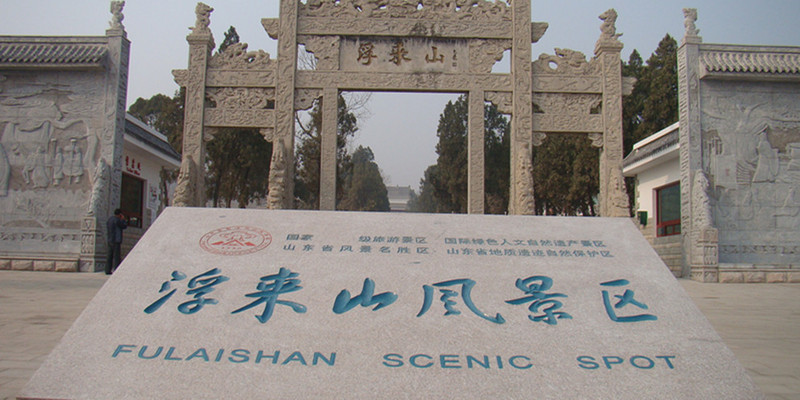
(759,322)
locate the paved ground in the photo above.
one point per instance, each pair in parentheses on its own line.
(759,322)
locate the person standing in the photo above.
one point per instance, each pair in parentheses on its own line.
(114,226)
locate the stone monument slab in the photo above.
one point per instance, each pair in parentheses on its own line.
(222,303)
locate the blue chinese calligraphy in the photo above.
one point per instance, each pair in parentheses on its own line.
(269,288)
(625,299)
(367,298)
(199,286)
(449,303)
(535,287)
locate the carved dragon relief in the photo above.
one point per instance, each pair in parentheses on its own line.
(304,98)
(236,56)
(325,50)
(484,53)
(467,10)
(565,62)
(241,98)
(501,100)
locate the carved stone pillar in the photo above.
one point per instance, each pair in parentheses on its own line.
(327,168)
(689,138)
(191,191)
(93,249)
(613,197)
(475,153)
(522,98)
(285,94)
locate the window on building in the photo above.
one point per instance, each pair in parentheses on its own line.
(668,210)
(132,199)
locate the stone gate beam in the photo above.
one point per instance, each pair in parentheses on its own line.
(327,168)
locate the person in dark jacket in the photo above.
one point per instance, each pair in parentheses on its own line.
(114,226)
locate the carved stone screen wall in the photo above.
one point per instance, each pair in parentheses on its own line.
(62,113)
(435,46)
(739,160)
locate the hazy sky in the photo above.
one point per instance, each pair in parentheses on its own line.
(400,128)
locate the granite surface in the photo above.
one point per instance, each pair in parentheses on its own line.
(293,304)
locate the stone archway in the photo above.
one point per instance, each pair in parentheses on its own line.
(436,47)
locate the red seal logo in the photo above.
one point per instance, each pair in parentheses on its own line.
(235,240)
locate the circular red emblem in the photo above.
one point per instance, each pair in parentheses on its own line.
(235,240)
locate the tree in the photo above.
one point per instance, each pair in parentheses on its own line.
(231,37)
(497,161)
(426,201)
(443,187)
(365,189)
(308,154)
(164,114)
(238,167)
(238,160)
(565,176)
(451,186)
(653,104)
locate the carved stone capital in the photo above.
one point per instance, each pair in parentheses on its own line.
(181,77)
(597,139)
(501,100)
(537,30)
(304,98)
(325,50)
(271,25)
(538,138)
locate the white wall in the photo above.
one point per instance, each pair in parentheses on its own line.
(654,177)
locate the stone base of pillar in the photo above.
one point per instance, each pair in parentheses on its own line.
(93,246)
(705,255)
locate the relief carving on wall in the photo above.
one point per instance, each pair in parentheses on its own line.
(466,10)
(567,112)
(37,153)
(751,150)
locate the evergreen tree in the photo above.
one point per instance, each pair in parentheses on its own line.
(164,114)
(238,167)
(654,101)
(497,161)
(443,188)
(365,189)
(451,186)
(231,37)
(653,104)
(565,176)
(308,154)
(426,201)
(238,159)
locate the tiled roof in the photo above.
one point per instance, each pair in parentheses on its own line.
(51,54)
(751,62)
(655,147)
(156,143)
